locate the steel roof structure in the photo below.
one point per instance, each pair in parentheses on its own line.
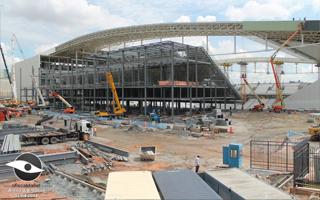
(275,31)
(263,59)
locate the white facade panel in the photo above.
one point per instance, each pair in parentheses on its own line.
(23,72)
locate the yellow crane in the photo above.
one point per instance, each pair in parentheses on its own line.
(118,110)
(314,130)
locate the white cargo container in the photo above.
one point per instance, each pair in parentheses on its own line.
(131,185)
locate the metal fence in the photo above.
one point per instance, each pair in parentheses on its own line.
(307,165)
(300,158)
(271,155)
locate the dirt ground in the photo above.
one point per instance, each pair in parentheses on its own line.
(177,151)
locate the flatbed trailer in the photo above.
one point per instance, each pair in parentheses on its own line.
(49,137)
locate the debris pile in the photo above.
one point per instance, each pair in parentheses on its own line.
(208,124)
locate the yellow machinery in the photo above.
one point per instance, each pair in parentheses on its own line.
(118,110)
(314,130)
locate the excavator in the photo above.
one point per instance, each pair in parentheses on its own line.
(278,105)
(70,109)
(118,110)
(258,107)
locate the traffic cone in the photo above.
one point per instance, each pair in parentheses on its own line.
(230,130)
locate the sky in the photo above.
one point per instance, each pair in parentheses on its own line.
(42,24)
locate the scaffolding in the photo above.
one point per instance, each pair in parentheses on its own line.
(169,76)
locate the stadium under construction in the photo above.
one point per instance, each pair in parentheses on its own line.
(168,76)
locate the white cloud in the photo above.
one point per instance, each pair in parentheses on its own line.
(41,23)
(316,4)
(45,47)
(263,10)
(208,18)
(183,18)
(70,14)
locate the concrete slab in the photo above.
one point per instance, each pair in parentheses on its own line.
(233,183)
(131,185)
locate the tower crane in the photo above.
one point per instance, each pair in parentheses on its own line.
(278,105)
(70,109)
(15,42)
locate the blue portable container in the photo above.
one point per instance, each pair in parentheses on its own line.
(232,155)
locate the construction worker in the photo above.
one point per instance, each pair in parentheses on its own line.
(197,163)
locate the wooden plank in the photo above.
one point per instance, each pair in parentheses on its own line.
(131,185)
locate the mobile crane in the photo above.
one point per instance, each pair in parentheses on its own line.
(278,105)
(118,110)
(43,103)
(258,107)
(70,109)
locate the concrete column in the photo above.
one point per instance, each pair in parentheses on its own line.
(172,81)
(207,43)
(122,78)
(145,80)
(226,67)
(243,74)
(279,68)
(235,43)
(266,45)
(318,66)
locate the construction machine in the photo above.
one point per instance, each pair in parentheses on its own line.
(70,109)
(314,130)
(118,110)
(14,95)
(77,130)
(258,107)
(43,103)
(278,105)
(155,116)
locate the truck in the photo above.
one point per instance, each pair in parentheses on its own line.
(82,130)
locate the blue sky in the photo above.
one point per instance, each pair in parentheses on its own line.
(41,24)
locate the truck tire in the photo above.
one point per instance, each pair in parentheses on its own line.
(54,140)
(45,141)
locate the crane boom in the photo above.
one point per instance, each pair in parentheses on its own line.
(70,108)
(43,103)
(8,74)
(279,105)
(253,91)
(118,109)
(55,94)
